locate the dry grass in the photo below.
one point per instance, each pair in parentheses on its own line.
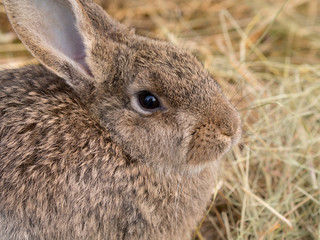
(266,55)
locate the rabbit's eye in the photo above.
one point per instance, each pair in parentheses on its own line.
(148,101)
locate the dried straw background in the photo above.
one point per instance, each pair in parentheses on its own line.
(266,55)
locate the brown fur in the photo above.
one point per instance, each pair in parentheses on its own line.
(77,161)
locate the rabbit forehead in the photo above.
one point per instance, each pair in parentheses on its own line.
(174,74)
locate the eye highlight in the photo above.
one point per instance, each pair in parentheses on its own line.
(147,100)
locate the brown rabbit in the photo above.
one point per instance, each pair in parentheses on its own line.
(114,136)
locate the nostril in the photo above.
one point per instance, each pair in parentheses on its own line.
(227,128)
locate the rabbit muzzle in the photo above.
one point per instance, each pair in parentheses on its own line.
(215,135)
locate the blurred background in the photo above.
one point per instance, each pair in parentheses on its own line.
(266,56)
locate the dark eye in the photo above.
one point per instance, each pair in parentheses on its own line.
(148,101)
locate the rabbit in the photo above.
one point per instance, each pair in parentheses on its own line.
(112,136)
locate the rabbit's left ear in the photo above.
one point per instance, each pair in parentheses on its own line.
(61,34)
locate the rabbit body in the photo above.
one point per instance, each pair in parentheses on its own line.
(62,177)
(83,154)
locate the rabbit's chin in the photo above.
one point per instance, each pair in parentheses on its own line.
(186,169)
(195,163)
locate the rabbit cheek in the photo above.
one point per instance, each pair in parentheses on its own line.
(155,140)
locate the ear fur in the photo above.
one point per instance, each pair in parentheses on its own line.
(61,35)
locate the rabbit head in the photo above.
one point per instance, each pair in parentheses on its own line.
(156,100)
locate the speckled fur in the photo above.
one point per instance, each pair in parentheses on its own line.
(78,162)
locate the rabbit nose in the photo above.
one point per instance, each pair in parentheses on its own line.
(228,128)
(227,121)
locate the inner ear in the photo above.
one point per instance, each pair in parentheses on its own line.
(59,29)
(62,35)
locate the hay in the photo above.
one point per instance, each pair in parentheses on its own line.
(266,55)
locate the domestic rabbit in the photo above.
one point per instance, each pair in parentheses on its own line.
(113,136)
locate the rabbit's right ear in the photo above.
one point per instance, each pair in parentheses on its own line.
(61,34)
